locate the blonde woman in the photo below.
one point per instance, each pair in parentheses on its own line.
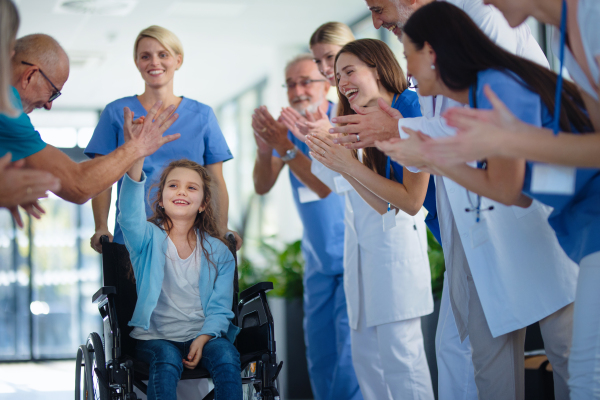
(158,54)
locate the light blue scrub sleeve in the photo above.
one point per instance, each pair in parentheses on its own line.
(17,135)
(215,146)
(104,139)
(523,103)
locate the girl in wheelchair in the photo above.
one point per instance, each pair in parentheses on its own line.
(184,280)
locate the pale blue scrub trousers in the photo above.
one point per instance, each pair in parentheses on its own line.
(327,336)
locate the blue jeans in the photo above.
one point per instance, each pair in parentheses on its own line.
(219,357)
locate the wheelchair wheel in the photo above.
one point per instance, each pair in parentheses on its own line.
(96,368)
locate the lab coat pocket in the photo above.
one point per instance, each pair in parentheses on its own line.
(398,290)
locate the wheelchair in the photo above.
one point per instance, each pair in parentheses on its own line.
(110,370)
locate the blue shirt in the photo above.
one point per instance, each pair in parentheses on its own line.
(17,135)
(575,218)
(408,105)
(323,221)
(201,141)
(147,246)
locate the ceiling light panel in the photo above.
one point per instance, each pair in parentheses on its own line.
(195,9)
(96,7)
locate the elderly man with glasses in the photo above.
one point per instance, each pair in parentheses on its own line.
(326,328)
(40,68)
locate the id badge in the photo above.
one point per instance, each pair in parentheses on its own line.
(479,233)
(306,195)
(553,179)
(389,220)
(341,184)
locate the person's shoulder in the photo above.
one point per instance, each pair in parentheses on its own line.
(196,107)
(493,76)
(117,105)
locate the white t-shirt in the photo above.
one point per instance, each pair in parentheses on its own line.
(178,315)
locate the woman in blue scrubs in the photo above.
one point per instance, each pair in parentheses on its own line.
(386,270)
(158,53)
(469,74)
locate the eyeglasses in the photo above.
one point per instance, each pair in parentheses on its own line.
(304,83)
(56,93)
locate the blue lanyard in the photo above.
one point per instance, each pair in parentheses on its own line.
(559,81)
(388,162)
(387,175)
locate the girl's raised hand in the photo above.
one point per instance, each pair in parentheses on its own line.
(333,156)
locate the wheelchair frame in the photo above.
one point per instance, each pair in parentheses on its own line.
(113,377)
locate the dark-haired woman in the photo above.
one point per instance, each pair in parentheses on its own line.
(386,270)
(506,267)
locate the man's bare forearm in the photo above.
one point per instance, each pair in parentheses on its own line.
(265,172)
(220,196)
(101,208)
(82,181)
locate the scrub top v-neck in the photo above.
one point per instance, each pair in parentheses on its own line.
(201,140)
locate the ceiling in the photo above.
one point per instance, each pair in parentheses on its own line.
(229,44)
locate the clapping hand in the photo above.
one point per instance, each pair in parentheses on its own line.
(369,124)
(23,187)
(333,156)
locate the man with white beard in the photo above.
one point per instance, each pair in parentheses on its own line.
(326,327)
(455,366)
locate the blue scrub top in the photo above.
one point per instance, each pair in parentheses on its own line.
(323,221)
(201,141)
(575,218)
(408,105)
(17,135)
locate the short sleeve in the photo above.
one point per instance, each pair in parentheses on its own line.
(17,135)
(105,137)
(215,146)
(522,102)
(589,15)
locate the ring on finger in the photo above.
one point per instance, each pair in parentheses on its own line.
(263,130)
(357,139)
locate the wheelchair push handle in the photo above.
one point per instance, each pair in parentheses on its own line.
(104,239)
(230,237)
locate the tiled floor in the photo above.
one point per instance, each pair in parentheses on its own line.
(33,381)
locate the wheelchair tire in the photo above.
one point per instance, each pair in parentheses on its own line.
(97,367)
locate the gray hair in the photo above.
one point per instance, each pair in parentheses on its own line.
(299,58)
(40,49)
(9,25)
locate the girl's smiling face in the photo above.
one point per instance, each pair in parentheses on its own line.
(357,81)
(156,64)
(324,55)
(183,194)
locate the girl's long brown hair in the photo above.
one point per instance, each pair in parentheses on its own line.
(205,223)
(462,50)
(376,54)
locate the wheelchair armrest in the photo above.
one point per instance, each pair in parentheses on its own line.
(252,292)
(103,293)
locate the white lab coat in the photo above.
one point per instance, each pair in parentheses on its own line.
(521,273)
(394,264)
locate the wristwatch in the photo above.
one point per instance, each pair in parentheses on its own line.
(290,154)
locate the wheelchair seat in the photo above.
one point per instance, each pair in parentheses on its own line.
(116,303)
